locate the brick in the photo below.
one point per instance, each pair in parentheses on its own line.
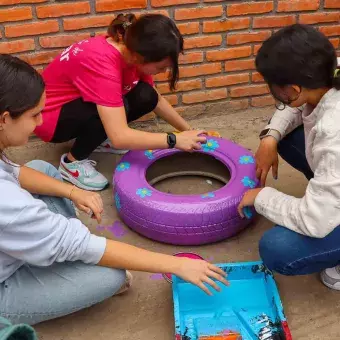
(277,21)
(240,65)
(262,101)
(117,5)
(232,79)
(335,42)
(330,30)
(17,46)
(61,40)
(203,41)
(226,25)
(191,58)
(80,23)
(298,5)
(186,85)
(250,8)
(230,53)
(213,0)
(246,91)
(257,78)
(316,18)
(164,3)
(40,57)
(159,11)
(198,12)
(59,10)
(189,28)
(40,27)
(200,70)
(162,76)
(20,2)
(172,99)
(332,4)
(244,38)
(15,14)
(204,96)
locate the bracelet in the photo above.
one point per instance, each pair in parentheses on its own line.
(71,193)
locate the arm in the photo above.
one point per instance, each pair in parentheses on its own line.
(170,115)
(318,212)
(123,137)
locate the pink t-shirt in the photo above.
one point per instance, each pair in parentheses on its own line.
(91,69)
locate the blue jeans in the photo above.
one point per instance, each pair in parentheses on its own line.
(286,251)
(35,294)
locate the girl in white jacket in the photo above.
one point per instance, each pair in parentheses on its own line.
(50,263)
(300,66)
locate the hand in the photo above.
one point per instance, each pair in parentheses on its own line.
(190,140)
(266,158)
(199,272)
(248,200)
(87,201)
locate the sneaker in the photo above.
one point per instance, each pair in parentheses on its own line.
(83,174)
(108,148)
(127,284)
(331,277)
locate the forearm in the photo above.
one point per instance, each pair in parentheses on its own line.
(170,115)
(36,182)
(125,256)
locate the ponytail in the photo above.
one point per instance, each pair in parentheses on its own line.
(336,79)
(119,26)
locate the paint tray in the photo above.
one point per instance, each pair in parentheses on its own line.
(249,309)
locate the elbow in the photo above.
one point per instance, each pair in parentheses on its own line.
(318,230)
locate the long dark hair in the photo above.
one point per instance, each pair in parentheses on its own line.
(298,55)
(21,86)
(153,36)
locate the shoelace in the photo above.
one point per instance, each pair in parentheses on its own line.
(88,166)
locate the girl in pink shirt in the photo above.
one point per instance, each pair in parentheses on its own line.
(97,86)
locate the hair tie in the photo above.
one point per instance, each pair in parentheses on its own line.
(126,24)
(337,73)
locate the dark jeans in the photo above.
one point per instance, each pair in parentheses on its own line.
(80,120)
(286,251)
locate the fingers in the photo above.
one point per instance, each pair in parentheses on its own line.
(240,210)
(264,175)
(201,132)
(211,283)
(204,288)
(275,169)
(201,140)
(258,172)
(216,269)
(218,277)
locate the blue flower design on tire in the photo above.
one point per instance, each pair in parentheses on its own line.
(143,192)
(249,183)
(208,195)
(123,166)
(149,154)
(117,201)
(246,160)
(210,146)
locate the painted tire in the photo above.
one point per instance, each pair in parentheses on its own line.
(184,219)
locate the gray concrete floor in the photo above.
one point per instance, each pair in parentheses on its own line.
(145,312)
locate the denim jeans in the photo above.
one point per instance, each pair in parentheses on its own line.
(35,294)
(286,251)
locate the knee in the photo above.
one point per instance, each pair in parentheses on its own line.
(45,168)
(148,96)
(275,251)
(112,280)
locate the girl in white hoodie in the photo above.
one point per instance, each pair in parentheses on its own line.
(50,263)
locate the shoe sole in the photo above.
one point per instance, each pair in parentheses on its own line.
(102,149)
(74,181)
(329,285)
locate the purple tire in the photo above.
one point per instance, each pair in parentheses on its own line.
(184,219)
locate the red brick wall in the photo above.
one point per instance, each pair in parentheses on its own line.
(221,38)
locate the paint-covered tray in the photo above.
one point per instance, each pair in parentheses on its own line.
(249,309)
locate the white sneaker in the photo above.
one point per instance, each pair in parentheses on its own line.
(108,148)
(127,284)
(330,277)
(83,174)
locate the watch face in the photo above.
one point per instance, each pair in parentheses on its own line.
(264,132)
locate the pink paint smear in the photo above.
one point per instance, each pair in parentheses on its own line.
(117,229)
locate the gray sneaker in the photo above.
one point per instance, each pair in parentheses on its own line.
(331,277)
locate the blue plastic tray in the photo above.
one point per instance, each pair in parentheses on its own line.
(250,307)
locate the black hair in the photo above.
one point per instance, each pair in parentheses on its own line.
(153,36)
(298,55)
(21,86)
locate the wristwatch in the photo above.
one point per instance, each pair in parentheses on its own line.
(270,132)
(171,140)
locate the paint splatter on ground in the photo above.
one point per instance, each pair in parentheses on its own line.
(156,277)
(117,229)
(101,228)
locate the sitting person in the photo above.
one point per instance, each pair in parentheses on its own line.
(99,85)
(299,64)
(50,263)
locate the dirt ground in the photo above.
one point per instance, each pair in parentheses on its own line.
(146,313)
